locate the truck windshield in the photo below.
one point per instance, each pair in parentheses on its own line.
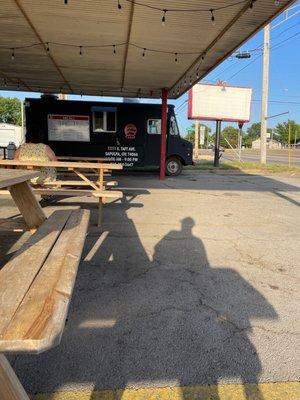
(173,127)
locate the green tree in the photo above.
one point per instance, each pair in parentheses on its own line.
(10,110)
(282,131)
(190,134)
(253,133)
(231,134)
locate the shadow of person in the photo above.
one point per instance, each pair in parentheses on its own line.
(211,319)
(148,314)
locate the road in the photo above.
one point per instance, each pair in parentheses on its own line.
(273,156)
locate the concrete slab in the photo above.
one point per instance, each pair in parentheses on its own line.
(190,281)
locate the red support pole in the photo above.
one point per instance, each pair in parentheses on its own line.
(163,136)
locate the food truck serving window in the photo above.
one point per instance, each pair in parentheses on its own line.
(104,119)
(154,126)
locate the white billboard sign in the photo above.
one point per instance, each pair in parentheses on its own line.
(68,128)
(219,103)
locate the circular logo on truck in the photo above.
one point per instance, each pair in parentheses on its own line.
(130,131)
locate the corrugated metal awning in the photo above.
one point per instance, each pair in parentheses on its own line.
(95,47)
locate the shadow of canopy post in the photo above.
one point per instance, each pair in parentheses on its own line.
(145,46)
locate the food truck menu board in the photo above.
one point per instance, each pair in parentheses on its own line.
(69,128)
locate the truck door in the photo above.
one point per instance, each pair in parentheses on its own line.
(152,148)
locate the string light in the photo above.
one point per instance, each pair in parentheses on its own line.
(47,47)
(144,52)
(176,57)
(80,50)
(12,53)
(212,16)
(4,82)
(66,2)
(197,73)
(18,85)
(119,5)
(163,20)
(251,5)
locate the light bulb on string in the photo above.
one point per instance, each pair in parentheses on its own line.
(114,49)
(176,57)
(144,52)
(184,82)
(12,54)
(81,94)
(190,80)
(119,5)
(163,19)
(212,16)
(177,91)
(66,2)
(197,73)
(18,86)
(47,47)
(80,51)
(202,58)
(251,5)
(4,82)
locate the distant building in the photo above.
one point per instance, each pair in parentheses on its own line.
(271,144)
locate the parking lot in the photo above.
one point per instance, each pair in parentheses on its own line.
(189,290)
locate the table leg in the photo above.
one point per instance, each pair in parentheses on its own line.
(28,205)
(101,186)
(10,386)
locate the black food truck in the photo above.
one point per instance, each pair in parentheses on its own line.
(127,133)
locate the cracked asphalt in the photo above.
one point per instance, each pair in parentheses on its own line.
(190,281)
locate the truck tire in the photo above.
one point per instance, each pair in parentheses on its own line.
(173,166)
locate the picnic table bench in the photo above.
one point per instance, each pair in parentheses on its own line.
(69,187)
(37,283)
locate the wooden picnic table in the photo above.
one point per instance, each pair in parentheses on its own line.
(97,188)
(17,182)
(83,159)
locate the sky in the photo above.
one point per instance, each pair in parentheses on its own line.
(284,83)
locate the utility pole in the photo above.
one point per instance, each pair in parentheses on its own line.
(197,125)
(265,95)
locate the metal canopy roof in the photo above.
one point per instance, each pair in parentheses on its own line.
(95,47)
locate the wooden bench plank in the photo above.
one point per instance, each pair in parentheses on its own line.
(38,323)
(60,164)
(18,274)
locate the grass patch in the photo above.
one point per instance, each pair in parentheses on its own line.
(264,167)
(204,165)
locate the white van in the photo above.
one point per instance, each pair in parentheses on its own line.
(11,133)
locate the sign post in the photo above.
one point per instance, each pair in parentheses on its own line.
(217,144)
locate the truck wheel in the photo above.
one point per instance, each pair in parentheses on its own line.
(173,166)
